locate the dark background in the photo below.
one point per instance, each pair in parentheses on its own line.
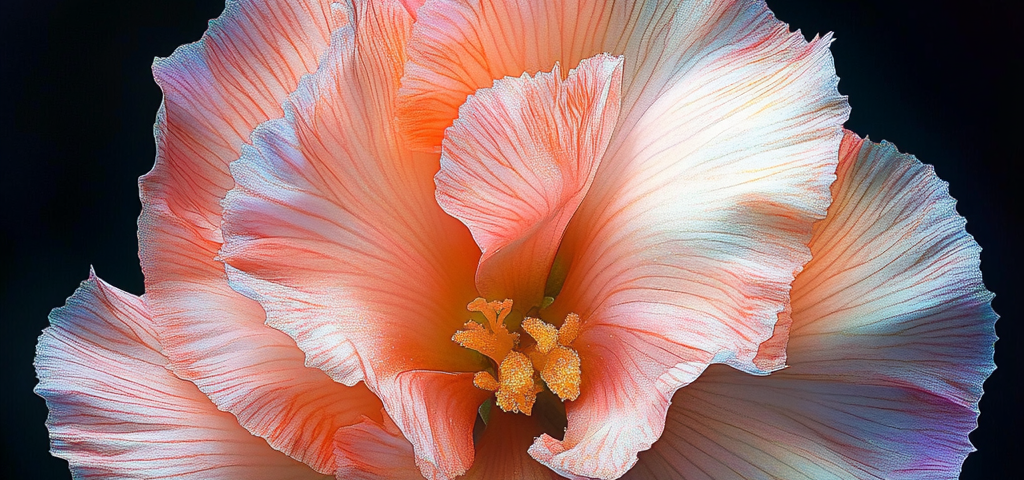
(943,83)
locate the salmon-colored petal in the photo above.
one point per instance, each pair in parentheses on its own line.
(116,411)
(518,162)
(891,340)
(501,451)
(684,250)
(215,92)
(460,46)
(334,229)
(372,450)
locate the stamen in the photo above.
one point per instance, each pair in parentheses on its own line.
(495,342)
(570,329)
(517,391)
(485,381)
(562,373)
(544,333)
(517,384)
(559,365)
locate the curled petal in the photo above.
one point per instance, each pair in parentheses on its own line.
(375,451)
(330,220)
(683,252)
(684,249)
(518,162)
(215,92)
(501,451)
(891,339)
(116,411)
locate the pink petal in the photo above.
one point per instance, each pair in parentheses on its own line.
(518,162)
(215,92)
(684,250)
(372,450)
(501,452)
(461,46)
(116,411)
(892,337)
(333,227)
(375,451)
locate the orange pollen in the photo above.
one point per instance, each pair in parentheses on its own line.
(519,373)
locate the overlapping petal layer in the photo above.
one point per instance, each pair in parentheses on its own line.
(518,162)
(116,411)
(215,92)
(371,450)
(502,449)
(375,451)
(892,337)
(684,248)
(334,228)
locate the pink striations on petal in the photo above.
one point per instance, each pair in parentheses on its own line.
(891,339)
(517,163)
(501,450)
(334,229)
(375,451)
(683,252)
(684,249)
(116,411)
(215,92)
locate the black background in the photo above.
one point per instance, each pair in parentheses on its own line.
(943,83)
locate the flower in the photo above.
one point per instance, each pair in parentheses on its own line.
(518,239)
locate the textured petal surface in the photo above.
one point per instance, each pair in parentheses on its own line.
(518,162)
(215,92)
(375,451)
(334,228)
(116,411)
(371,450)
(501,451)
(684,250)
(892,337)
(460,46)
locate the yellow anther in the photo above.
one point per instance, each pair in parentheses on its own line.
(570,329)
(561,373)
(517,391)
(516,385)
(494,312)
(485,381)
(544,333)
(494,342)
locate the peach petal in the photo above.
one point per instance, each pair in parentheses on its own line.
(891,339)
(684,250)
(215,92)
(375,451)
(518,162)
(501,451)
(333,228)
(116,410)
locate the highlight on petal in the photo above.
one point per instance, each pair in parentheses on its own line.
(460,46)
(891,339)
(334,229)
(116,411)
(215,92)
(683,252)
(517,163)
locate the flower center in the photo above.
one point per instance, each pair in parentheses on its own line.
(522,369)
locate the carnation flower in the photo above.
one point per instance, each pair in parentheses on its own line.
(522,239)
